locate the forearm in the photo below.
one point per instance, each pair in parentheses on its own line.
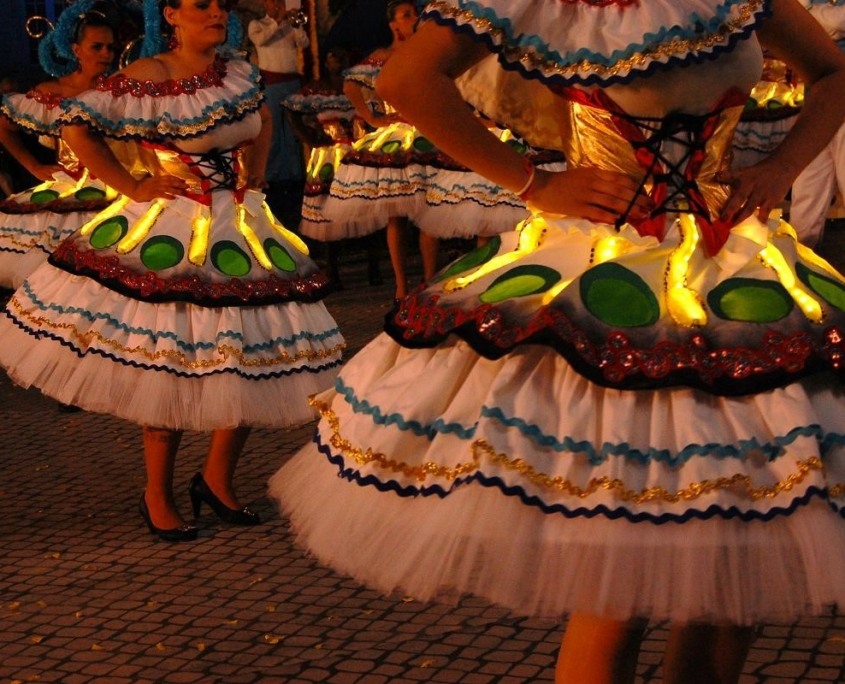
(439,111)
(95,154)
(10,139)
(260,149)
(793,36)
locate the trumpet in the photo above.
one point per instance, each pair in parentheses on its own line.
(296,17)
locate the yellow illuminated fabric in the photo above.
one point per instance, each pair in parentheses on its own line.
(531,235)
(141,228)
(684,304)
(198,248)
(110,212)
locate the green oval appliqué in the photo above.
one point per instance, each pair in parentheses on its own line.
(750,300)
(520,282)
(86,194)
(230,259)
(474,259)
(280,257)
(161,252)
(825,287)
(43,196)
(618,296)
(109,232)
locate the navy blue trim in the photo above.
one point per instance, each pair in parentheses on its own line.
(594,79)
(41,334)
(714,511)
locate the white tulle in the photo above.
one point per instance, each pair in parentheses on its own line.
(542,550)
(172,365)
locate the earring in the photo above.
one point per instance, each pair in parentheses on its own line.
(173,43)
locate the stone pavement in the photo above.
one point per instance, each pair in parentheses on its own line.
(87,595)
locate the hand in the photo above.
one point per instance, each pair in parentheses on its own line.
(382,120)
(256,181)
(594,194)
(44,172)
(153,187)
(757,188)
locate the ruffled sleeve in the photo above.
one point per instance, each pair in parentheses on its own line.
(124,108)
(315,101)
(35,111)
(365,73)
(590,42)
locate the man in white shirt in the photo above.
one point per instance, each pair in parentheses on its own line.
(276,41)
(814,188)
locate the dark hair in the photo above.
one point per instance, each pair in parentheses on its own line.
(394,5)
(95,19)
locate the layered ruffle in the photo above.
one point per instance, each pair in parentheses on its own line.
(35,111)
(505,477)
(600,41)
(124,108)
(174,364)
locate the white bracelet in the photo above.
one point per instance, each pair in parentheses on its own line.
(532,171)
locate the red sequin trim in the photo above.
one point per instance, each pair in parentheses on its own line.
(189,287)
(212,77)
(57,206)
(615,357)
(50,100)
(602,3)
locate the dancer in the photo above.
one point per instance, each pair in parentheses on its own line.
(32,223)
(813,190)
(631,407)
(395,175)
(324,118)
(184,305)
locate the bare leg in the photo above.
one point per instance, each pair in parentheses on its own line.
(223,455)
(371,243)
(397,247)
(598,650)
(160,447)
(428,249)
(706,654)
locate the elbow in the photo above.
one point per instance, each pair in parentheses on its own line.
(390,85)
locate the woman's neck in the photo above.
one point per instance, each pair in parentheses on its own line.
(185,62)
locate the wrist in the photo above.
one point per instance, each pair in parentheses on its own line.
(527,188)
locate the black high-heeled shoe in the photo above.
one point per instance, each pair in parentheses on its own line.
(184,532)
(200,491)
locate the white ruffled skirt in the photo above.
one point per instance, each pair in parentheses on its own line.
(438,472)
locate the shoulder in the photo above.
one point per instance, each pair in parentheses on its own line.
(146,69)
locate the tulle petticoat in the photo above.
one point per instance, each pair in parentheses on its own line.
(520,481)
(174,365)
(26,240)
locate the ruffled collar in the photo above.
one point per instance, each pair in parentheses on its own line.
(600,42)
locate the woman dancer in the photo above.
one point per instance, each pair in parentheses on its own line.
(631,408)
(184,305)
(325,120)
(76,53)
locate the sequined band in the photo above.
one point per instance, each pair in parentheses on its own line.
(150,287)
(482,452)
(778,360)
(59,206)
(121,85)
(49,100)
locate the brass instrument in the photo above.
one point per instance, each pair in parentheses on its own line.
(296,17)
